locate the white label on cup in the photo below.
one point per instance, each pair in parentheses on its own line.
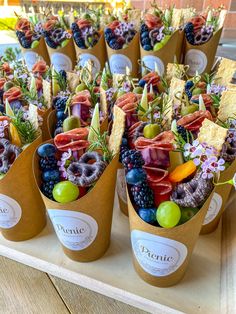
(118,63)
(84,57)
(150,62)
(157,256)
(197,61)
(214,208)
(10,212)
(121,185)
(61,62)
(75,230)
(31,58)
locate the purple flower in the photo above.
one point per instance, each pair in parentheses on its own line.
(126,87)
(190,149)
(216,89)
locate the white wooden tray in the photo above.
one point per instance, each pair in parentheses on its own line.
(209,285)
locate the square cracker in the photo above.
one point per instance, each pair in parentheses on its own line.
(225,71)
(227,107)
(117,131)
(176,18)
(47,93)
(103,101)
(174,70)
(116,79)
(212,134)
(176,86)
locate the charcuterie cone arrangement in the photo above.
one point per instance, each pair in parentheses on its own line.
(133,103)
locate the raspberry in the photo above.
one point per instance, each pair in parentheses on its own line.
(143,196)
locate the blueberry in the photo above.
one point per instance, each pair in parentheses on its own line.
(51,175)
(145,35)
(61,115)
(136,176)
(46,150)
(148,214)
(108,31)
(124,141)
(147,47)
(146,42)
(142,83)
(144,28)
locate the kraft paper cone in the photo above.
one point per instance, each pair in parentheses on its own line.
(160,255)
(31,55)
(96,54)
(120,59)
(161,57)
(63,58)
(179,47)
(52,120)
(201,58)
(22,211)
(84,226)
(219,200)
(46,134)
(121,189)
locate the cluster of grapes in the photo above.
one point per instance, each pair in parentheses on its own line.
(48,166)
(120,36)
(85,37)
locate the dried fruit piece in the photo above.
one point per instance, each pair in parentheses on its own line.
(183,171)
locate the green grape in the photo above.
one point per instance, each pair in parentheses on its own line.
(168,214)
(187,213)
(65,192)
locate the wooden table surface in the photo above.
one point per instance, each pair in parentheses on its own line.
(24,290)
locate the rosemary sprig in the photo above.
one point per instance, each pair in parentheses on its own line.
(61,80)
(100,143)
(11,55)
(25,128)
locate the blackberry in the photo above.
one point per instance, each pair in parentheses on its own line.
(188,93)
(123,149)
(58,131)
(20,34)
(50,43)
(60,103)
(183,132)
(47,188)
(46,34)
(59,124)
(189,28)
(48,163)
(77,35)
(144,28)
(143,196)
(146,41)
(74,27)
(189,84)
(132,159)
(189,32)
(63,74)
